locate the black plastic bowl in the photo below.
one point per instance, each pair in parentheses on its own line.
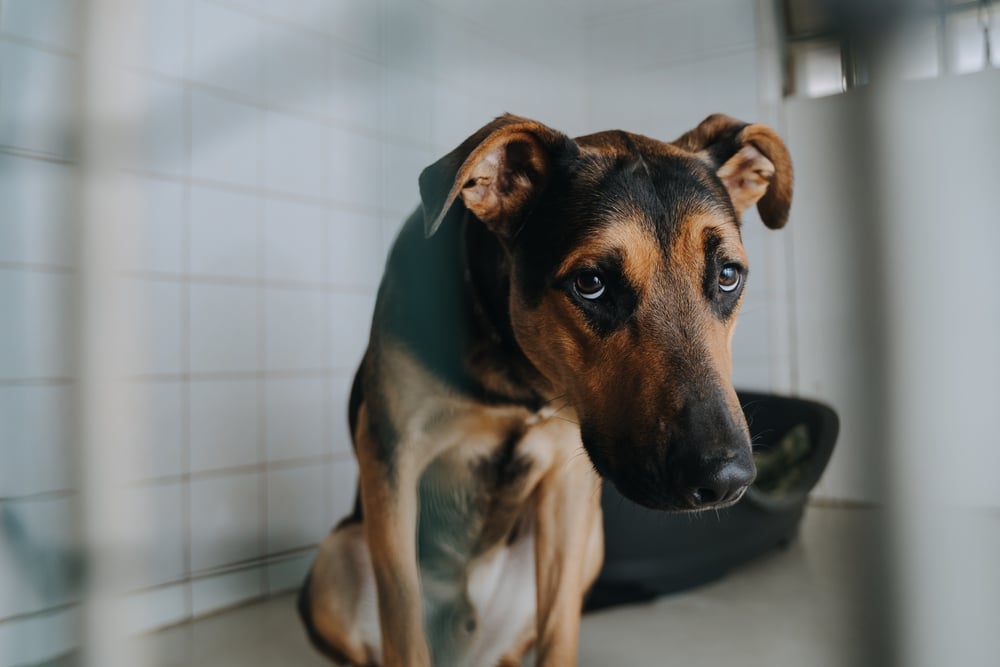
(650,553)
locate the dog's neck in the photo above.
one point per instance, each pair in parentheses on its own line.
(445,299)
(494,356)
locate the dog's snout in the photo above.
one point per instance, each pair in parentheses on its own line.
(722,482)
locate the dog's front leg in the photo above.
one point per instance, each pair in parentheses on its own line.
(569,550)
(389,501)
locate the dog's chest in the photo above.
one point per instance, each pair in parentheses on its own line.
(472,499)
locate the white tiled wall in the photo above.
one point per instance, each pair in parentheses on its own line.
(278,155)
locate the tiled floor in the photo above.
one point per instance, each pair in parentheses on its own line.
(805,606)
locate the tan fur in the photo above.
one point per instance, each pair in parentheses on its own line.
(629,237)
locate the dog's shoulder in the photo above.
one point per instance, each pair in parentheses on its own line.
(443,302)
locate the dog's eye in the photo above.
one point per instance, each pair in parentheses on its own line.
(730,278)
(589,285)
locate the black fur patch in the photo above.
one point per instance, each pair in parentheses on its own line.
(615,307)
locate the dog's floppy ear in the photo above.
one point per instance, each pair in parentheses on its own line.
(751,161)
(498,173)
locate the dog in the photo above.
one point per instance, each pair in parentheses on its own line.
(558,311)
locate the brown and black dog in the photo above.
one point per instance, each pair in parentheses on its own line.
(556,307)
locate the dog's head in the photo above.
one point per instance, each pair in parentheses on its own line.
(627,274)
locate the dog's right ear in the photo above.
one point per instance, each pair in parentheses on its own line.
(498,173)
(751,161)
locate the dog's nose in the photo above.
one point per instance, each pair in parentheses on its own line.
(722,482)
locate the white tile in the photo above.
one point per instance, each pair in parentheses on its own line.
(288,573)
(34,214)
(296,411)
(354,21)
(406,28)
(752,375)
(224,235)
(225,521)
(402,165)
(159,228)
(457,115)
(37,99)
(295,512)
(223,325)
(663,33)
(354,250)
(340,429)
(37,555)
(51,22)
(354,168)
(293,241)
(160,429)
(295,329)
(677,98)
(161,533)
(342,484)
(160,327)
(267,7)
(354,88)
(157,607)
(39,303)
(161,145)
(164,36)
(224,424)
(35,429)
(750,341)
(295,69)
(351,316)
(303,13)
(225,137)
(407,105)
(226,49)
(226,590)
(37,639)
(293,154)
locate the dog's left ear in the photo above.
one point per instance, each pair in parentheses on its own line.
(751,161)
(498,173)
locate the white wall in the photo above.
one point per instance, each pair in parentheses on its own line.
(846,192)
(279,154)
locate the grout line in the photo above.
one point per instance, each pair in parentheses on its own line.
(262,268)
(226,186)
(207,573)
(240,281)
(265,104)
(303,374)
(41,496)
(36,267)
(34,154)
(186,232)
(380,171)
(38,382)
(39,45)
(48,611)
(258,189)
(326,326)
(198,475)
